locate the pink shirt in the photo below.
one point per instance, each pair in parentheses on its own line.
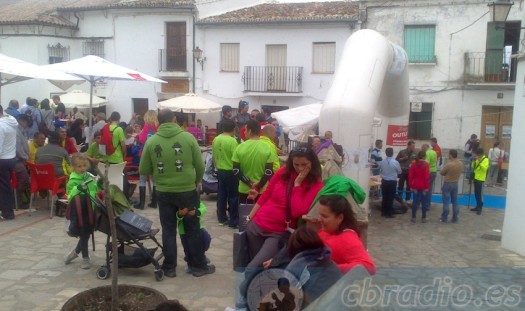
(145,131)
(347,250)
(271,215)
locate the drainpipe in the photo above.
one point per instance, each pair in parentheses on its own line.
(193,58)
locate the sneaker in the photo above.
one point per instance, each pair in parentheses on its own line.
(443,221)
(69,258)
(171,273)
(200,272)
(188,269)
(85,263)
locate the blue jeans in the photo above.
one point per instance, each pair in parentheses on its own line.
(169,204)
(432,182)
(228,197)
(449,192)
(419,197)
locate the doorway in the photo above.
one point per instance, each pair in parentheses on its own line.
(276,65)
(140,106)
(496,125)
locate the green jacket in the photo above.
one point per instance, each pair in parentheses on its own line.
(480,168)
(174,159)
(77,179)
(200,214)
(341,185)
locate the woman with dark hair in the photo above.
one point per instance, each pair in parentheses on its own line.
(340,231)
(419,179)
(48,117)
(309,252)
(298,182)
(243,116)
(76,131)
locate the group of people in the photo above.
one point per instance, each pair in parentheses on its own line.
(414,173)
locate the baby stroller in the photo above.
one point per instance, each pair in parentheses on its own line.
(210,183)
(132,229)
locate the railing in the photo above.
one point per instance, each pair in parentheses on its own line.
(273,79)
(172,59)
(491,67)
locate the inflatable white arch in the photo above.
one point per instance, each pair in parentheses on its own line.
(371,80)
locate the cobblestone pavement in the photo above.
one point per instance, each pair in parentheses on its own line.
(34,277)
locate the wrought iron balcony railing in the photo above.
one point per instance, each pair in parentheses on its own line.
(273,79)
(490,67)
(172,59)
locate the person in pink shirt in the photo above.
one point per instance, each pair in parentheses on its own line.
(340,232)
(151,124)
(267,225)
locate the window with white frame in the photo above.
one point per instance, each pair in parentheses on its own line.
(230,57)
(93,47)
(419,43)
(323,57)
(58,53)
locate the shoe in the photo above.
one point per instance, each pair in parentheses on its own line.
(454,221)
(233,227)
(478,212)
(69,258)
(413,220)
(474,209)
(225,223)
(85,263)
(423,220)
(200,272)
(171,273)
(188,269)
(444,221)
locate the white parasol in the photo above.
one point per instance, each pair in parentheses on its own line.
(80,99)
(190,103)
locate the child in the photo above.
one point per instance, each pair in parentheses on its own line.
(92,153)
(205,236)
(80,188)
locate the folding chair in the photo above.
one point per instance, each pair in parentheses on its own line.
(43,179)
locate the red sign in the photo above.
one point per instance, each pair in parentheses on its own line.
(397,135)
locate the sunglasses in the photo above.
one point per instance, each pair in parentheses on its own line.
(300,150)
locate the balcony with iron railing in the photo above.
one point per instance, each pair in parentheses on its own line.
(490,67)
(172,61)
(273,79)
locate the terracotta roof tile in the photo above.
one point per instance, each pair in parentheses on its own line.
(44,12)
(289,12)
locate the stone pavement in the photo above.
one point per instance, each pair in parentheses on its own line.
(34,277)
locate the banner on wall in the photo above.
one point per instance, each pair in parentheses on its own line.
(397,135)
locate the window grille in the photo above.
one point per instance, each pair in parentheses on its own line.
(58,53)
(93,47)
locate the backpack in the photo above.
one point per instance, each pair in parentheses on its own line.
(29,113)
(106,147)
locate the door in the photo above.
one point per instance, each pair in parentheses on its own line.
(276,68)
(140,106)
(495,51)
(496,125)
(176,46)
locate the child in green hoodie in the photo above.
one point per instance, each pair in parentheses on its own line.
(205,236)
(80,188)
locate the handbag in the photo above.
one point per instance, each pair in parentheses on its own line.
(241,256)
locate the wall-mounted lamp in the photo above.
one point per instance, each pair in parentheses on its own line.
(197,54)
(499,10)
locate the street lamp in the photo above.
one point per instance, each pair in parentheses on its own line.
(197,54)
(499,10)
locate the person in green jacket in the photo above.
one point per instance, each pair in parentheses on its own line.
(431,159)
(80,188)
(174,159)
(205,236)
(480,165)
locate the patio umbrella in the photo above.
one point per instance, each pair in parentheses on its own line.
(297,122)
(79,99)
(190,103)
(14,70)
(93,68)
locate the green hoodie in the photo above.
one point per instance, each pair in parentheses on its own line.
(75,180)
(174,159)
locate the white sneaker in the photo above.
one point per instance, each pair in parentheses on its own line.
(69,258)
(85,263)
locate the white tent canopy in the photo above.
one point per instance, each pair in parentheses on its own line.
(190,103)
(80,99)
(14,70)
(299,122)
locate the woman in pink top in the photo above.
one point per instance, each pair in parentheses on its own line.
(150,128)
(268,229)
(340,232)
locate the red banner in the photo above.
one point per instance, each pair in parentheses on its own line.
(397,135)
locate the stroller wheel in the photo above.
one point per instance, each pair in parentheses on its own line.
(103,273)
(159,274)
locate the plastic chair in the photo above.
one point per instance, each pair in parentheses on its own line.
(43,179)
(115,173)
